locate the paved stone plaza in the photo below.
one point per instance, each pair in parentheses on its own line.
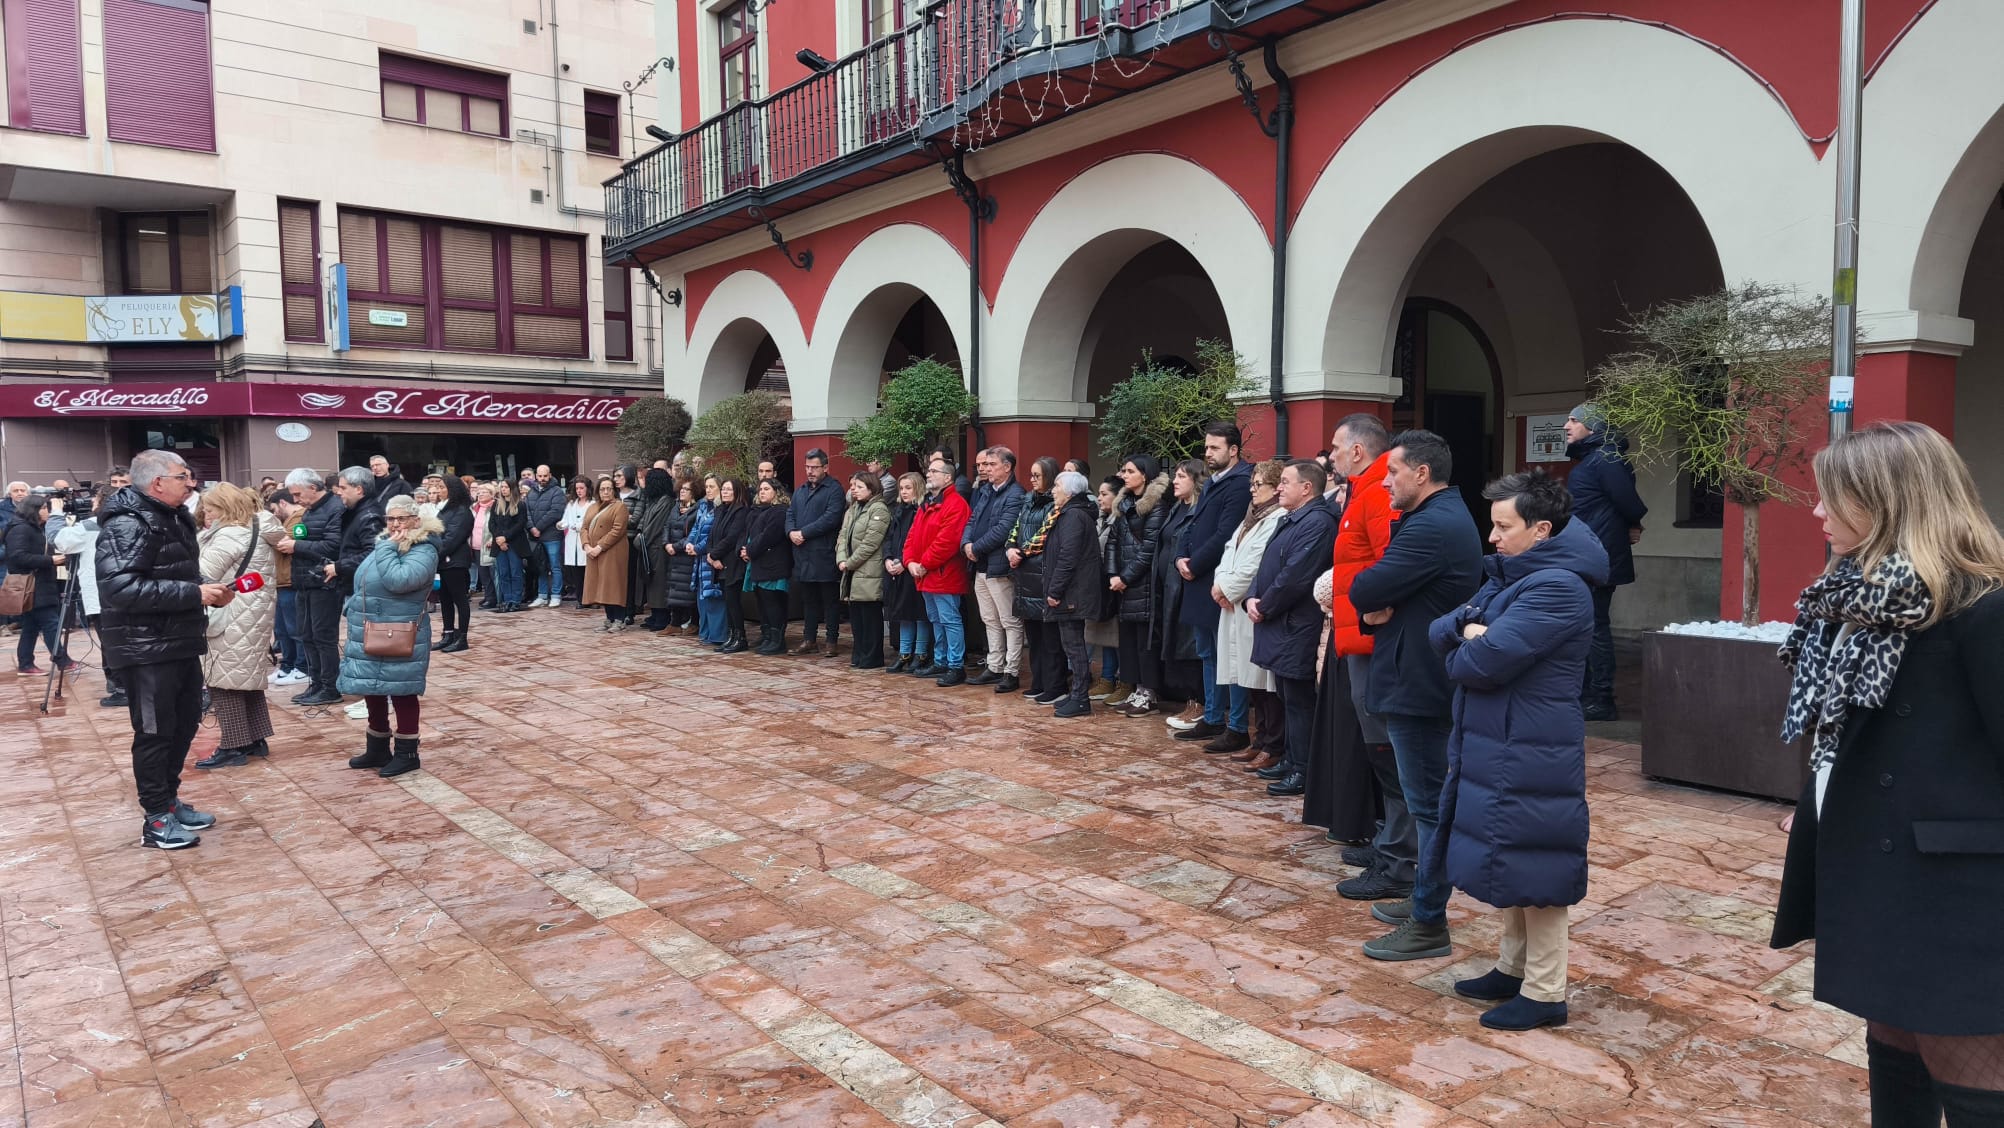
(642,884)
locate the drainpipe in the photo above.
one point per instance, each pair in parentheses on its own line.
(557,122)
(1281,129)
(979,208)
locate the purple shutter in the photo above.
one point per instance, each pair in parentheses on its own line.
(156,73)
(44,65)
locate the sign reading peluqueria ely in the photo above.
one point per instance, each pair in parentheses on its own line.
(308,401)
(122,319)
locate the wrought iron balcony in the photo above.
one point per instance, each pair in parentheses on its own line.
(965,73)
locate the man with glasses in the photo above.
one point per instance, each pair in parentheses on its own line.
(154,632)
(932,555)
(998,503)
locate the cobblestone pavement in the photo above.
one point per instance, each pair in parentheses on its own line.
(638,883)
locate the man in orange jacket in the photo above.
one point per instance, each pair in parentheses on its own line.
(1358,451)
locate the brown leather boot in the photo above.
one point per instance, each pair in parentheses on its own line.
(1264,760)
(1248,754)
(808,647)
(828,650)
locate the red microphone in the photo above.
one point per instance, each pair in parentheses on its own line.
(250,582)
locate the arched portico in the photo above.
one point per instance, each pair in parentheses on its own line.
(731,330)
(876,287)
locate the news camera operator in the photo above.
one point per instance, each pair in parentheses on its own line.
(154,630)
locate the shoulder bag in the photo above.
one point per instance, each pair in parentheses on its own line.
(381,639)
(17,593)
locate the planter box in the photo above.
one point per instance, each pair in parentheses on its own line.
(1711,715)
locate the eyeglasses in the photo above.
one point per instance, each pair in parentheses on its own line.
(184,476)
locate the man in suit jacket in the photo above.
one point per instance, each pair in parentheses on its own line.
(1287,622)
(1220,508)
(1432,566)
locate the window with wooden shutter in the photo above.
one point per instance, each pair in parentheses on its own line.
(166,254)
(157,85)
(601,115)
(463,286)
(44,65)
(618,313)
(443,96)
(299,269)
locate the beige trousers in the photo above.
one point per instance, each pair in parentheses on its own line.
(1534,948)
(996,596)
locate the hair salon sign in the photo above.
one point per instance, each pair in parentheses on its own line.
(122,319)
(310,401)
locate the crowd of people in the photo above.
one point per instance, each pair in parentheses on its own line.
(1333,625)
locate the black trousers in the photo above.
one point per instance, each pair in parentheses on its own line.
(818,604)
(318,627)
(771,616)
(1297,703)
(866,633)
(734,610)
(1140,664)
(165,703)
(1071,642)
(1047,656)
(452,602)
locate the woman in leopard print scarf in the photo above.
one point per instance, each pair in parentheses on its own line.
(1896,860)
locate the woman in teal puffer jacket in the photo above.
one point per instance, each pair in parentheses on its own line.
(391,586)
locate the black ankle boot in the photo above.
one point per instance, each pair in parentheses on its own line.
(1969,1108)
(455,641)
(734,644)
(375,754)
(405,760)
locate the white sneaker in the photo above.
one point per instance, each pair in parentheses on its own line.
(1181,725)
(289,677)
(358,711)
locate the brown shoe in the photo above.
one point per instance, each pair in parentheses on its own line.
(828,650)
(808,647)
(1249,754)
(1265,760)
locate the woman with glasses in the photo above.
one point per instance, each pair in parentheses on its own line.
(391,587)
(606,556)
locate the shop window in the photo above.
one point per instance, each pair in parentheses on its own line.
(443,96)
(157,85)
(601,124)
(618,313)
(425,283)
(299,269)
(166,253)
(44,65)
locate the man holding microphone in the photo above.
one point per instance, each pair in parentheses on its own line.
(154,632)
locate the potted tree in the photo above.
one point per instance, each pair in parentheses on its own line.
(1724,387)
(650,429)
(739,431)
(1161,409)
(922,406)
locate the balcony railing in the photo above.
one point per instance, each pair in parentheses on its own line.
(874,98)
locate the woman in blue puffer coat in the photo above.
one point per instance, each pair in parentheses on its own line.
(391,586)
(1513,817)
(709,593)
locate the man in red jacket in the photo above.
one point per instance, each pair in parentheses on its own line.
(932,552)
(1358,451)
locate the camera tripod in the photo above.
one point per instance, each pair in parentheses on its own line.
(64,624)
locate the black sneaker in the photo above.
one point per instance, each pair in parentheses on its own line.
(1226,741)
(1008,684)
(1072,708)
(1394,913)
(164,832)
(1363,857)
(1374,885)
(1202,730)
(1049,697)
(318,697)
(951,678)
(223,758)
(114,701)
(1412,941)
(985,677)
(1600,711)
(926,671)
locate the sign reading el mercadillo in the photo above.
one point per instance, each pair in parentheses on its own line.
(438,404)
(122,319)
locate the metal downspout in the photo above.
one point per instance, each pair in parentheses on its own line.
(1283,121)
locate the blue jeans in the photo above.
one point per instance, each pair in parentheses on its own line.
(949,638)
(710,618)
(1420,745)
(39,622)
(1109,665)
(552,581)
(915,638)
(1224,705)
(282,626)
(508,577)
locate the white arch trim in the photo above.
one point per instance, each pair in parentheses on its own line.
(1933,159)
(1733,149)
(721,347)
(871,291)
(1091,228)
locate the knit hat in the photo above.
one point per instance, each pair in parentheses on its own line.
(1591,416)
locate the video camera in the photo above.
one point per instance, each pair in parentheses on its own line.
(78,497)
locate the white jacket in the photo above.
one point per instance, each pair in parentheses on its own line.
(240,631)
(573,526)
(1237,569)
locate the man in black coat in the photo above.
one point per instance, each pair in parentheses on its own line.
(154,631)
(812,522)
(1220,508)
(994,510)
(361,524)
(390,481)
(1287,622)
(1073,582)
(1603,488)
(1432,566)
(316,598)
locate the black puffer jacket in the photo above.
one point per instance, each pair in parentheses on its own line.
(727,535)
(1030,605)
(771,550)
(361,524)
(321,544)
(902,602)
(149,582)
(28,552)
(454,551)
(1140,527)
(681,567)
(1072,573)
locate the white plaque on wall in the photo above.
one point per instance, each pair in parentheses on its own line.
(1545,438)
(294,432)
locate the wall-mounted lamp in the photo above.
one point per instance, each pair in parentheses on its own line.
(659,134)
(811,59)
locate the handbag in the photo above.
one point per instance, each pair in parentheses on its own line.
(385,640)
(17,593)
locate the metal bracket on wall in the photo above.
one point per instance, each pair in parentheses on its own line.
(1269,124)
(802,261)
(672,297)
(965,187)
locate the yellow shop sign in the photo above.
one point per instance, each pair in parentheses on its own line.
(122,319)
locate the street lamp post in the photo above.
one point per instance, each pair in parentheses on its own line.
(1844,286)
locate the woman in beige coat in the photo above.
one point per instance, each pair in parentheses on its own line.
(236,540)
(1236,570)
(604,535)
